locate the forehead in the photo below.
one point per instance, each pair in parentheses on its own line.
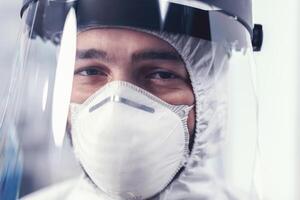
(120,39)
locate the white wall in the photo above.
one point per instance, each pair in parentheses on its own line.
(278,85)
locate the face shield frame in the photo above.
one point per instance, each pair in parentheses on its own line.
(150,15)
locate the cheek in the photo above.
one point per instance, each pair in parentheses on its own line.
(80,93)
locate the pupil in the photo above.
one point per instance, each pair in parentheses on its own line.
(165,75)
(92,72)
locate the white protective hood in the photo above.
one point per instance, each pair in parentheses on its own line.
(206,63)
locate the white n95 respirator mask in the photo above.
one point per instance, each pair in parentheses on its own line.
(130,143)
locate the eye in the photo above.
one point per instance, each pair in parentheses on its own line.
(90,71)
(162,75)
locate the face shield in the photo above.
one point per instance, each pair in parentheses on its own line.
(143,100)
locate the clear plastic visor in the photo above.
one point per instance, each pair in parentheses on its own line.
(204,63)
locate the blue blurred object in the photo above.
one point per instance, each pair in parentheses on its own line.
(10,165)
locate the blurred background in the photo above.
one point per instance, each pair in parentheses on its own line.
(278,89)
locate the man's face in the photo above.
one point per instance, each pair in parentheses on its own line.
(105,55)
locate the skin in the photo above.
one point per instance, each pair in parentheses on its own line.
(105,55)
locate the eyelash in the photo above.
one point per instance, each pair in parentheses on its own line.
(91,69)
(163,75)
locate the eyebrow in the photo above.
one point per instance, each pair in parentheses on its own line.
(150,54)
(155,55)
(91,54)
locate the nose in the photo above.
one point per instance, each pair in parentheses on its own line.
(123,74)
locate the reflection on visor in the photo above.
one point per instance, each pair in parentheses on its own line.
(64,79)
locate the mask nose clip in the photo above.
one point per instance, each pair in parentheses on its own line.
(128,102)
(115,98)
